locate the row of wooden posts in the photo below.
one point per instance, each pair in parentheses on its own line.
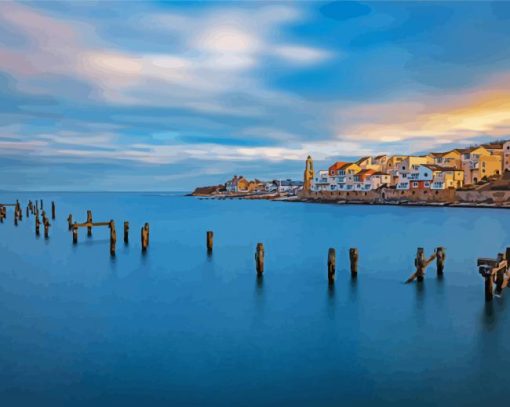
(89,224)
(496,272)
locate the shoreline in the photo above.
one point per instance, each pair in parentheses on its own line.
(297,199)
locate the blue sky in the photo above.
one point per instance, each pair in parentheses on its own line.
(167,96)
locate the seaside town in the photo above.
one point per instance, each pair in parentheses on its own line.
(477,174)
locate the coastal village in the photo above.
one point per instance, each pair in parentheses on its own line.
(478,174)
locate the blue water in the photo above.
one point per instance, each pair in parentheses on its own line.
(176,327)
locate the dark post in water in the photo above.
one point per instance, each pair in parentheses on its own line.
(113,238)
(353,257)
(331,265)
(46,227)
(145,237)
(52,210)
(75,233)
(209,241)
(89,223)
(37,224)
(70,221)
(259,258)
(440,259)
(126,232)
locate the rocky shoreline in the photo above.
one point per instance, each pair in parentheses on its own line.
(301,199)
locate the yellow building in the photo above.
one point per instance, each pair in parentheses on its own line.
(478,163)
(451,158)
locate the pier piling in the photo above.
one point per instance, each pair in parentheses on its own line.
(89,222)
(259,258)
(70,221)
(145,237)
(113,238)
(37,224)
(353,257)
(53,210)
(209,241)
(126,232)
(75,233)
(331,265)
(440,259)
(46,228)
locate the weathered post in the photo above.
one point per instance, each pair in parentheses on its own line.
(89,222)
(145,237)
(331,265)
(70,221)
(28,213)
(15,217)
(209,241)
(46,228)
(18,210)
(353,257)
(419,262)
(75,233)
(2,214)
(42,204)
(259,258)
(126,232)
(440,259)
(113,238)
(488,288)
(37,225)
(53,210)
(500,274)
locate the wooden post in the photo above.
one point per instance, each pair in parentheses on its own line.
(42,204)
(418,262)
(145,237)
(500,275)
(126,232)
(488,288)
(37,225)
(259,258)
(75,233)
(18,210)
(70,221)
(353,257)
(209,241)
(89,221)
(440,259)
(113,238)
(46,228)
(52,210)
(331,265)
(15,217)
(507,257)
(27,212)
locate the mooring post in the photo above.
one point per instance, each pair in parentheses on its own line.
(331,265)
(15,218)
(353,257)
(18,210)
(42,204)
(126,232)
(500,275)
(145,237)
(488,288)
(28,213)
(52,210)
(37,225)
(46,228)
(209,241)
(70,221)
(75,233)
(440,259)
(259,258)
(419,263)
(89,221)
(113,238)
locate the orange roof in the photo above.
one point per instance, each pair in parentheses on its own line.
(336,166)
(363,174)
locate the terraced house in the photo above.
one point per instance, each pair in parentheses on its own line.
(438,170)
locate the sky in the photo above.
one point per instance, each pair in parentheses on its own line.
(162,96)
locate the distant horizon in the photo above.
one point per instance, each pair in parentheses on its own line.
(168,96)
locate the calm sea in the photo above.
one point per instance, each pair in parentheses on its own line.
(176,327)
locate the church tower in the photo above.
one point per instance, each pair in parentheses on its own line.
(309,174)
